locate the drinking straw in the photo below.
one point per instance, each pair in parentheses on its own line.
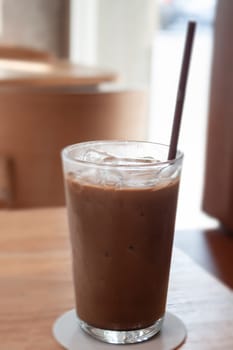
(181,89)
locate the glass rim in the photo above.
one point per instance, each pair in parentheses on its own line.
(65,153)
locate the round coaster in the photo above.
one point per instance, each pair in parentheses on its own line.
(68,334)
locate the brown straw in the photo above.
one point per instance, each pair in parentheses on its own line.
(181,89)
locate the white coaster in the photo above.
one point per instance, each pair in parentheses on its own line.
(68,334)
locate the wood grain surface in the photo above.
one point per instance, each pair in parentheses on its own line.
(36,286)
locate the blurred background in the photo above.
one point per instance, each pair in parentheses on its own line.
(78,70)
(141,42)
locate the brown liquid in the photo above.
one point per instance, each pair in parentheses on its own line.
(121,244)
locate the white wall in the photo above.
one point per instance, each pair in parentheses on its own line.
(83,27)
(116,34)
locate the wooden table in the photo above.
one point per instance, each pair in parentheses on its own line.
(52,74)
(36,286)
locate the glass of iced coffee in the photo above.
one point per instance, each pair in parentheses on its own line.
(121,199)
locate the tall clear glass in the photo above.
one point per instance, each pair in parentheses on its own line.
(121,200)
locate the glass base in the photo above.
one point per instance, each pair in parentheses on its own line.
(122,337)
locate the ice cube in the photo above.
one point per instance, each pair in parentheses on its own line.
(129,161)
(110,178)
(94,156)
(101,157)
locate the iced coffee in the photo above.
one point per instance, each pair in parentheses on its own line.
(121,199)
